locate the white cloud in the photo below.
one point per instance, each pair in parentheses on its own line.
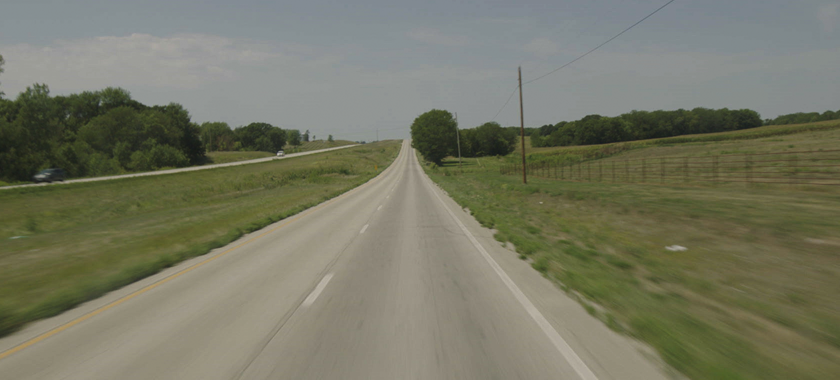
(827,15)
(180,61)
(541,47)
(434,37)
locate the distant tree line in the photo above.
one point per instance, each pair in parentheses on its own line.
(641,125)
(803,117)
(435,135)
(218,136)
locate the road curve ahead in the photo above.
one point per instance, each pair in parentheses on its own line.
(389,281)
(180,170)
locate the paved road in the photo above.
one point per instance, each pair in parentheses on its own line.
(180,170)
(389,281)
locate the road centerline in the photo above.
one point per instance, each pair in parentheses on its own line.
(317,291)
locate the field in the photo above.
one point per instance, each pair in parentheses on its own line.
(773,138)
(755,295)
(63,245)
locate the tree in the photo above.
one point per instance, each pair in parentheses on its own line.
(216,136)
(433,134)
(293,135)
(261,137)
(330,138)
(306,136)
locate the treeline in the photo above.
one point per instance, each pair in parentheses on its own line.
(435,135)
(92,133)
(488,139)
(803,117)
(641,125)
(105,132)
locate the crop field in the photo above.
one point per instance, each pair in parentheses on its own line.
(732,281)
(63,245)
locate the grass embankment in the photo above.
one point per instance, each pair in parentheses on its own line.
(225,157)
(801,136)
(315,145)
(63,245)
(756,294)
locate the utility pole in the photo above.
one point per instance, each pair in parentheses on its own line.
(458,138)
(522,121)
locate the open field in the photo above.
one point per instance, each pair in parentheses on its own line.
(315,145)
(63,245)
(772,138)
(225,157)
(756,294)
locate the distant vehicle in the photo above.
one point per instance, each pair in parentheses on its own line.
(49,175)
(280,153)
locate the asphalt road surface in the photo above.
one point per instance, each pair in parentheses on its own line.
(391,280)
(179,170)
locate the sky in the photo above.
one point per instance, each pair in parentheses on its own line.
(348,68)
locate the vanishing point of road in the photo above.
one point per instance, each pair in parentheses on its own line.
(391,280)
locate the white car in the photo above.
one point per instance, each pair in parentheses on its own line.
(280,153)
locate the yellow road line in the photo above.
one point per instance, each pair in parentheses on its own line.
(98,311)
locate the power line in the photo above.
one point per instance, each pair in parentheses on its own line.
(599,46)
(506,103)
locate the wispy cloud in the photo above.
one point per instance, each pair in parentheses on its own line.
(180,61)
(828,14)
(435,37)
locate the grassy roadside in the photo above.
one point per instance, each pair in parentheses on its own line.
(755,296)
(225,157)
(63,245)
(315,145)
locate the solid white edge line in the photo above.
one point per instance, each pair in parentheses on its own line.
(318,289)
(364,229)
(571,356)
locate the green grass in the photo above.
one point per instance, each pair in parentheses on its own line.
(772,138)
(63,245)
(315,145)
(755,296)
(225,157)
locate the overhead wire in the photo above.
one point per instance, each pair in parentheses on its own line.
(581,56)
(599,46)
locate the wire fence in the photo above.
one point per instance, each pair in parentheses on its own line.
(820,167)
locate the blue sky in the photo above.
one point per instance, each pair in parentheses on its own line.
(348,68)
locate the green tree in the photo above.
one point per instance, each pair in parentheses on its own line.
(293,135)
(330,138)
(261,137)
(216,136)
(433,134)
(306,136)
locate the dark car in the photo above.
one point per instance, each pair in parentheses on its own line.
(49,175)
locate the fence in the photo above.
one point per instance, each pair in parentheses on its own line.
(788,168)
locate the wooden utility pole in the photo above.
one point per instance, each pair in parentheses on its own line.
(458,139)
(522,123)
